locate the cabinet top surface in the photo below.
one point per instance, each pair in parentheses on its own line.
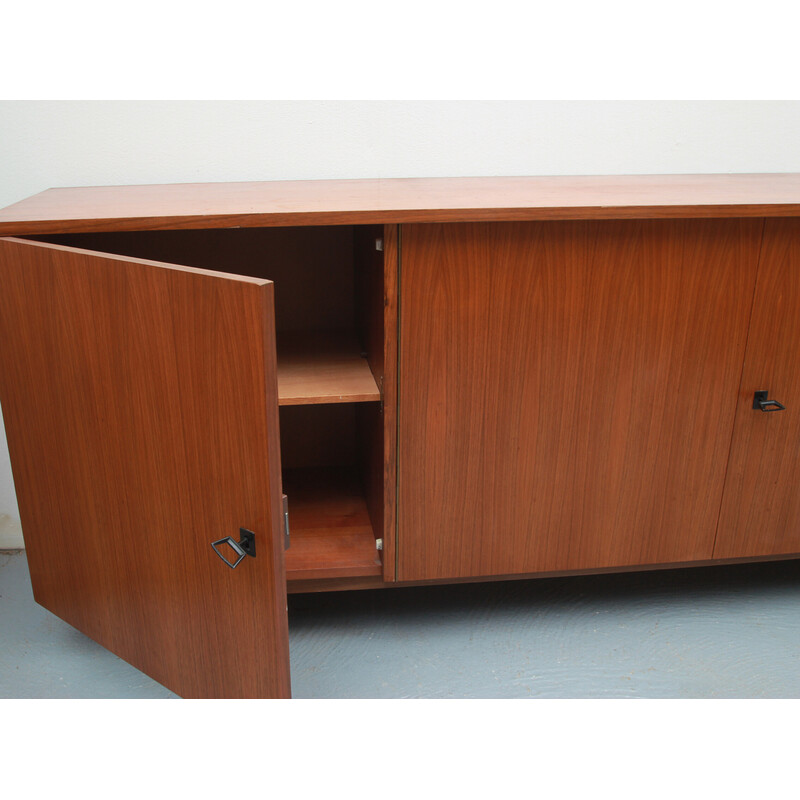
(340,202)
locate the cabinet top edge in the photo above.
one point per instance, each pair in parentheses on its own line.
(401,200)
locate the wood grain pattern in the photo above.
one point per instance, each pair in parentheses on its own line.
(141,409)
(331,534)
(761,505)
(323,367)
(568,392)
(392,201)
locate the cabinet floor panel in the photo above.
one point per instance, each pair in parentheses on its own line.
(323,367)
(331,533)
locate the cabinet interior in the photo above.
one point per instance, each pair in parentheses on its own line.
(329,299)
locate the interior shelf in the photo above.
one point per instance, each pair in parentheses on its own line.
(331,533)
(323,367)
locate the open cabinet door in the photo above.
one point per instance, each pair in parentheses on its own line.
(140,401)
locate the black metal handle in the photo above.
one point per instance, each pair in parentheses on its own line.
(761,403)
(246,546)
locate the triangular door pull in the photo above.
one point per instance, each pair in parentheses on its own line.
(761,403)
(246,546)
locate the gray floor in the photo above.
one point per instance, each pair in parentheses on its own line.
(722,632)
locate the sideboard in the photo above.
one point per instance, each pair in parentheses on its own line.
(218,393)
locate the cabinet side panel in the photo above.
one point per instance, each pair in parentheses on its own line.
(368,262)
(568,392)
(376,284)
(761,507)
(391,266)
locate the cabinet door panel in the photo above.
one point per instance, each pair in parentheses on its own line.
(140,403)
(567,391)
(761,506)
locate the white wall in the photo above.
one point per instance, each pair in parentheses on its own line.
(44,144)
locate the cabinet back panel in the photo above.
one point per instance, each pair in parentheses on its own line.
(567,391)
(318,435)
(312,267)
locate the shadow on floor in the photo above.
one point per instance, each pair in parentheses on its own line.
(632,587)
(729,631)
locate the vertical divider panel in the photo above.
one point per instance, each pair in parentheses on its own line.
(375,252)
(391,277)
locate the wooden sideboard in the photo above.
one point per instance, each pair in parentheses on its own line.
(450,379)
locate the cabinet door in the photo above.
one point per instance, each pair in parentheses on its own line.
(761,506)
(567,391)
(140,403)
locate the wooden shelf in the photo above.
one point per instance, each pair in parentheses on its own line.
(323,367)
(331,533)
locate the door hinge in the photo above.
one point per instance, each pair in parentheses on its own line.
(379,544)
(285,522)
